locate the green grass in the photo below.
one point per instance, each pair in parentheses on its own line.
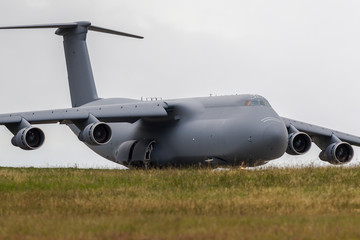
(308,203)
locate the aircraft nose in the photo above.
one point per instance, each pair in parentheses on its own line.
(274,140)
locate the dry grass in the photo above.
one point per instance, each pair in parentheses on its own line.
(308,203)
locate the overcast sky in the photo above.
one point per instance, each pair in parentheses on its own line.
(303,56)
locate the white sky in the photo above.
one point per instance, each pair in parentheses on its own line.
(303,56)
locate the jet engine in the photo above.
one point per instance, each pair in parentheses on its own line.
(29,138)
(299,143)
(337,153)
(98,133)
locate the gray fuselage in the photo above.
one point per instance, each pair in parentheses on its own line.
(235,130)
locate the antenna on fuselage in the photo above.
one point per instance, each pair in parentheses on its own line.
(80,76)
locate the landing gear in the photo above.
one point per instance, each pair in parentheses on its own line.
(135,153)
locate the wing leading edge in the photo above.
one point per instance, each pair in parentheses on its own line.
(317,132)
(110,113)
(336,146)
(90,120)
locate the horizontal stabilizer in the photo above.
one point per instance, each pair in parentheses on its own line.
(54,25)
(73,25)
(105,30)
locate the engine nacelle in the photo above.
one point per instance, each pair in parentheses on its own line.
(98,133)
(337,153)
(299,143)
(29,138)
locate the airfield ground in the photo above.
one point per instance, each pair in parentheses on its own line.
(308,203)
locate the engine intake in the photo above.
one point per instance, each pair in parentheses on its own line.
(299,143)
(337,153)
(96,134)
(29,138)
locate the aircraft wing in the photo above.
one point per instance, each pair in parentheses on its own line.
(91,121)
(317,133)
(109,113)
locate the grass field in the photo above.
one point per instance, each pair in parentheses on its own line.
(308,203)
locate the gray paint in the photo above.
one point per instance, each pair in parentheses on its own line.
(80,76)
(234,130)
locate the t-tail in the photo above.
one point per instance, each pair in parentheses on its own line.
(80,76)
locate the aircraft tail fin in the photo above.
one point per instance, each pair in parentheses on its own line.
(80,76)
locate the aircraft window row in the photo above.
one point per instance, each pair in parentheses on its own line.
(255,102)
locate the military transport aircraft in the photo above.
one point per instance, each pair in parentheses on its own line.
(224,130)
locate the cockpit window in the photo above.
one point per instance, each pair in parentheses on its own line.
(256,102)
